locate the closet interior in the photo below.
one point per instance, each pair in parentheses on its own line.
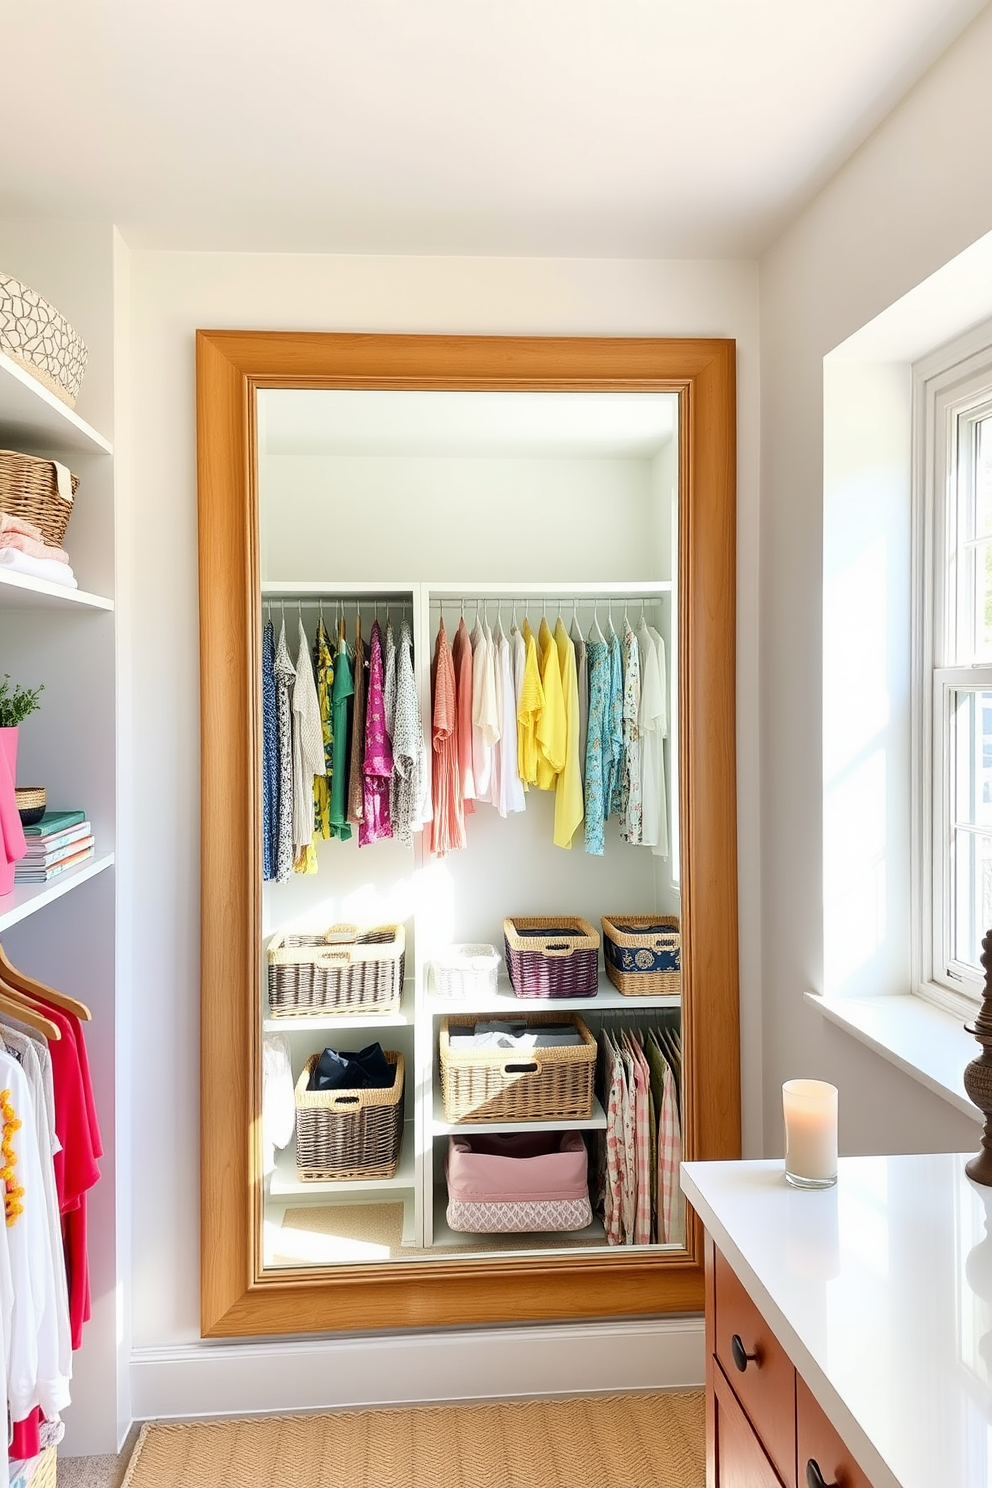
(382,510)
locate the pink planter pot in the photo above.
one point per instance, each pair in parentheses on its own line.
(10,822)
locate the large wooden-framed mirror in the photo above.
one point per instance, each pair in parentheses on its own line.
(250,1285)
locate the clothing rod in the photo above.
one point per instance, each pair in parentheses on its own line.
(270,600)
(453,601)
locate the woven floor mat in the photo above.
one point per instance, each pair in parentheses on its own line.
(335,1228)
(605,1441)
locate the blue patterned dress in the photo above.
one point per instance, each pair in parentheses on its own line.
(599,748)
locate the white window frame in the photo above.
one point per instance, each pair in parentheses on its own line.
(954,381)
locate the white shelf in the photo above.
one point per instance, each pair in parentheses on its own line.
(321,1022)
(27,899)
(20,592)
(505,1000)
(443,1128)
(29,413)
(284,1183)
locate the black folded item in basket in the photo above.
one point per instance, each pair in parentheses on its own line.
(368,1069)
(544,932)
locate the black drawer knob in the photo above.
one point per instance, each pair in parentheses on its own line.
(741,1356)
(814,1477)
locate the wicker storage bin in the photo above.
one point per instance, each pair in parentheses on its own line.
(37,1472)
(347,970)
(39,491)
(466,971)
(553,1084)
(518,1184)
(348,1134)
(40,340)
(642,954)
(556,957)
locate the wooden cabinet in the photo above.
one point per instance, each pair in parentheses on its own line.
(763,1425)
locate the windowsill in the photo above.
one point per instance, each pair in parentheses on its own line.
(924,1041)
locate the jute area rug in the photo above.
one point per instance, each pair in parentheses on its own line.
(604,1441)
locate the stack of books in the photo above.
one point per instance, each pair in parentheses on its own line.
(61,840)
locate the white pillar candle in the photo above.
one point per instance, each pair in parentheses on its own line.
(810,1110)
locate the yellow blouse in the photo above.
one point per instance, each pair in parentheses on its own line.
(529,710)
(568,791)
(551,731)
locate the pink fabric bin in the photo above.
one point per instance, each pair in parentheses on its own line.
(518,1183)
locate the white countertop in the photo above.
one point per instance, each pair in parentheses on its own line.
(880,1290)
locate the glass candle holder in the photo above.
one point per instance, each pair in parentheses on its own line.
(810,1110)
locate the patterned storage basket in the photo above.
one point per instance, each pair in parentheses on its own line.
(348,1134)
(40,340)
(643,954)
(38,491)
(553,1084)
(466,971)
(556,957)
(348,970)
(511,1184)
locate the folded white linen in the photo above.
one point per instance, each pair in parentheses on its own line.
(38,568)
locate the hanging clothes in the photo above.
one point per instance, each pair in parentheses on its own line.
(612,795)
(409,800)
(652,727)
(530,708)
(582,679)
(599,747)
(377,755)
(283,672)
(485,719)
(270,757)
(448,830)
(511,790)
(631,813)
(323,666)
(551,730)
(568,788)
(389,679)
(308,755)
(642,1141)
(612,1141)
(356,778)
(342,693)
(461,656)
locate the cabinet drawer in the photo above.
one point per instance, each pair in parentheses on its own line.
(740,1461)
(766,1386)
(818,1443)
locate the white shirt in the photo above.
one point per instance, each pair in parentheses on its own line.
(653,725)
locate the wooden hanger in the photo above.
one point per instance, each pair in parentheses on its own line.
(23,1012)
(16,980)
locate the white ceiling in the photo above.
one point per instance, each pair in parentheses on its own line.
(297,421)
(657,128)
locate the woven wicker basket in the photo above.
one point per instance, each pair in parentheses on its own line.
(552,957)
(643,954)
(348,970)
(466,971)
(348,1134)
(42,1475)
(34,490)
(40,340)
(534,1085)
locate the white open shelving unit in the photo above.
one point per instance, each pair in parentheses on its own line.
(39,619)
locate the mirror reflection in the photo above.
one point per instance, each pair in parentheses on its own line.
(471,999)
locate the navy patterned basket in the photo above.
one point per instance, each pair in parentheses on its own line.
(643,954)
(552,957)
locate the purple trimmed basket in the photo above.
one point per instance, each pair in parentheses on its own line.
(552,957)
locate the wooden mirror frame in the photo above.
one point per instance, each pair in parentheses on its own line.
(237,1296)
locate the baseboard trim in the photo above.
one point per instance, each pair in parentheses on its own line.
(209,1379)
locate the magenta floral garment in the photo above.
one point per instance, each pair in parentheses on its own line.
(378,761)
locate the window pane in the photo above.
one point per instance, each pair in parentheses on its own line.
(983,478)
(971,822)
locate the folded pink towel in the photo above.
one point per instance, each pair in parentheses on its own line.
(10,523)
(32,547)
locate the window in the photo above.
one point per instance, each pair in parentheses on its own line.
(953,631)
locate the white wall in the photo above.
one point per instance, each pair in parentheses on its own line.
(171,295)
(917,193)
